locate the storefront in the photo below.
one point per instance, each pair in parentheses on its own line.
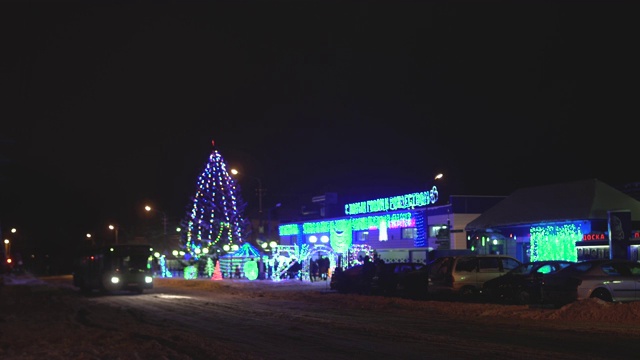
(398,228)
(569,221)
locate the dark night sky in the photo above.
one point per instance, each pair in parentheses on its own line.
(109,105)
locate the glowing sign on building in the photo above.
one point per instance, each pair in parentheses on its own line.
(408,201)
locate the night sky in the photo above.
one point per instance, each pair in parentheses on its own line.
(107,106)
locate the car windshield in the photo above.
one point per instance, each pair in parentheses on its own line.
(523,269)
(580,267)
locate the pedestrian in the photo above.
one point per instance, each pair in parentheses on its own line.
(368,272)
(323,267)
(313,270)
(237,272)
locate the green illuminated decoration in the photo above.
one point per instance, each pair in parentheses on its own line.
(190,272)
(341,236)
(289,229)
(316,227)
(250,269)
(555,242)
(407,201)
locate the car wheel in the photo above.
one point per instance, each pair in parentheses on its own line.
(467,292)
(602,294)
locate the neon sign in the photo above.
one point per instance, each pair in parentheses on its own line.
(593,237)
(408,201)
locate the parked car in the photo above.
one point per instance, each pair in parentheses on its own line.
(413,284)
(463,276)
(612,280)
(522,284)
(389,275)
(347,280)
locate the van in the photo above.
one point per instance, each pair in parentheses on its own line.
(464,275)
(114,268)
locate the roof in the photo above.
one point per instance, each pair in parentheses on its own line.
(580,200)
(246,250)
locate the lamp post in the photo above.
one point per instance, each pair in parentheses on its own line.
(89,237)
(115,228)
(269,219)
(164,223)
(260,192)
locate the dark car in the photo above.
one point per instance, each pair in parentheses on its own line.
(522,284)
(611,280)
(347,280)
(413,284)
(389,275)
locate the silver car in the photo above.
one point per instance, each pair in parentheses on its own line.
(464,275)
(613,280)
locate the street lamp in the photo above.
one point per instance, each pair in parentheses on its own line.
(115,228)
(7,248)
(269,219)
(260,190)
(89,237)
(164,224)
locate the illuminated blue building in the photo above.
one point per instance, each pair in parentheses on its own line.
(565,221)
(397,228)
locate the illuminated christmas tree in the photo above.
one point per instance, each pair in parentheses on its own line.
(209,268)
(215,220)
(217,273)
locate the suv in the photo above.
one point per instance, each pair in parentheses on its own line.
(464,275)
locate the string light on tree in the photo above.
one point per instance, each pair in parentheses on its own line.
(216,214)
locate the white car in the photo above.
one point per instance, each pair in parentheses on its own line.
(613,280)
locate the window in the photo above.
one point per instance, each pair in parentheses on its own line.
(508,264)
(362,236)
(408,233)
(434,230)
(489,264)
(467,264)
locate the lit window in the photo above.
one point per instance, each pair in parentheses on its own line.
(409,233)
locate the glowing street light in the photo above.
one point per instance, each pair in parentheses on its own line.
(115,228)
(259,190)
(7,248)
(439,176)
(90,237)
(164,223)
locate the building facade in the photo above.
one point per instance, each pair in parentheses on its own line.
(403,228)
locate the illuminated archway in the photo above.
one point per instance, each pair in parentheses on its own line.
(316,251)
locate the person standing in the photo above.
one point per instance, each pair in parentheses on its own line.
(313,270)
(368,272)
(323,267)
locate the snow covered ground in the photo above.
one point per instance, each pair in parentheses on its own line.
(46,318)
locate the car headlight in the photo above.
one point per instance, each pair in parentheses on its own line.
(115,279)
(148,279)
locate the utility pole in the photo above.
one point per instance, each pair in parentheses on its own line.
(260,192)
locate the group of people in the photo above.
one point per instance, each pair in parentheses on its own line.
(319,269)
